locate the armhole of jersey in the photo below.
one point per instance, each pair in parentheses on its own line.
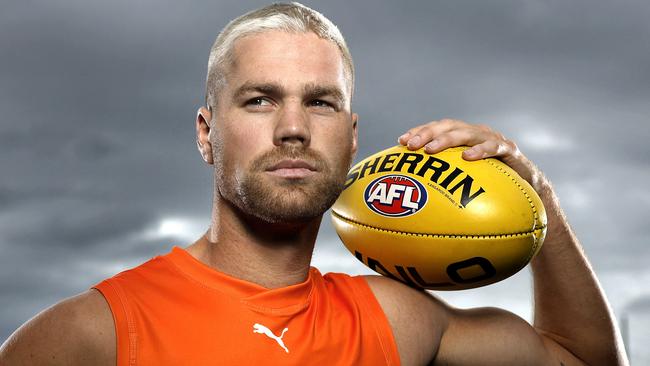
(379,320)
(125,333)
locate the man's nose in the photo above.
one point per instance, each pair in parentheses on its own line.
(292,126)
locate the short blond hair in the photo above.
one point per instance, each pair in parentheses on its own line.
(290,17)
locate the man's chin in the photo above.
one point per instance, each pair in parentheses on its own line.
(292,206)
(289,202)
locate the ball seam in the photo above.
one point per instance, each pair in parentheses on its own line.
(530,202)
(445,236)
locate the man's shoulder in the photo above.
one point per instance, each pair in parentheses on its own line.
(387,290)
(402,304)
(76,331)
(418,318)
(393,293)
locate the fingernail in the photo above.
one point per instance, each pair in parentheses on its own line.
(403,137)
(472,152)
(414,141)
(432,145)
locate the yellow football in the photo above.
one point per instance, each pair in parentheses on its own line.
(438,221)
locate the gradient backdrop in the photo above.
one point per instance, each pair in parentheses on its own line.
(98,163)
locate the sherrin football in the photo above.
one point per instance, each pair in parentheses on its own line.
(438,221)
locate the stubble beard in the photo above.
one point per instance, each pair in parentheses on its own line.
(285,201)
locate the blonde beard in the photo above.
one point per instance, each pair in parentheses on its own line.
(290,202)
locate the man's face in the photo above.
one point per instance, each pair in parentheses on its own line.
(282,131)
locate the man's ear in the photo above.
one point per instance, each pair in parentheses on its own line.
(203,118)
(355,134)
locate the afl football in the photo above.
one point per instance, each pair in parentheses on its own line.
(438,221)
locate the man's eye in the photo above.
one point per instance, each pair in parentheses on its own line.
(259,101)
(321,103)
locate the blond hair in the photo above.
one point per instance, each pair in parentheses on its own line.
(290,17)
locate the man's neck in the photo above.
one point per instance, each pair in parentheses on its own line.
(269,255)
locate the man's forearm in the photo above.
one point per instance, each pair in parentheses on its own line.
(570,306)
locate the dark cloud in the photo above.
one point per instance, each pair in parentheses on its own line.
(76,225)
(639,304)
(98,103)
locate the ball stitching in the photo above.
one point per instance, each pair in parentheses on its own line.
(530,202)
(445,236)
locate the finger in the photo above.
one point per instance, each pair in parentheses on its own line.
(415,131)
(458,137)
(488,149)
(403,140)
(421,135)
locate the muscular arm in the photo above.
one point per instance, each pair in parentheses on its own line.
(76,331)
(570,306)
(573,323)
(428,331)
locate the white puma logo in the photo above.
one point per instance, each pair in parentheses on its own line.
(259,328)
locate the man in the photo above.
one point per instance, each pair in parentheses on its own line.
(278,128)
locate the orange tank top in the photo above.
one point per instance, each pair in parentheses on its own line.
(175,310)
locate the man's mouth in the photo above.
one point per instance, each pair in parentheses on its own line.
(292,168)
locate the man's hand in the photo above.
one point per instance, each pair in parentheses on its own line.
(436,136)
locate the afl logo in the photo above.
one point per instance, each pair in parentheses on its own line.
(395,195)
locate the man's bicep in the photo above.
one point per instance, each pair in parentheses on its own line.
(491,336)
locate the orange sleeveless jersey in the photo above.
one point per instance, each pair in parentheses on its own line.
(175,310)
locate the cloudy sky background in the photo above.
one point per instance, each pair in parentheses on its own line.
(99,170)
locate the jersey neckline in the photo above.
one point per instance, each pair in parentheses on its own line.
(280,301)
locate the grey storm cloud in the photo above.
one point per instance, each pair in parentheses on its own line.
(97,141)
